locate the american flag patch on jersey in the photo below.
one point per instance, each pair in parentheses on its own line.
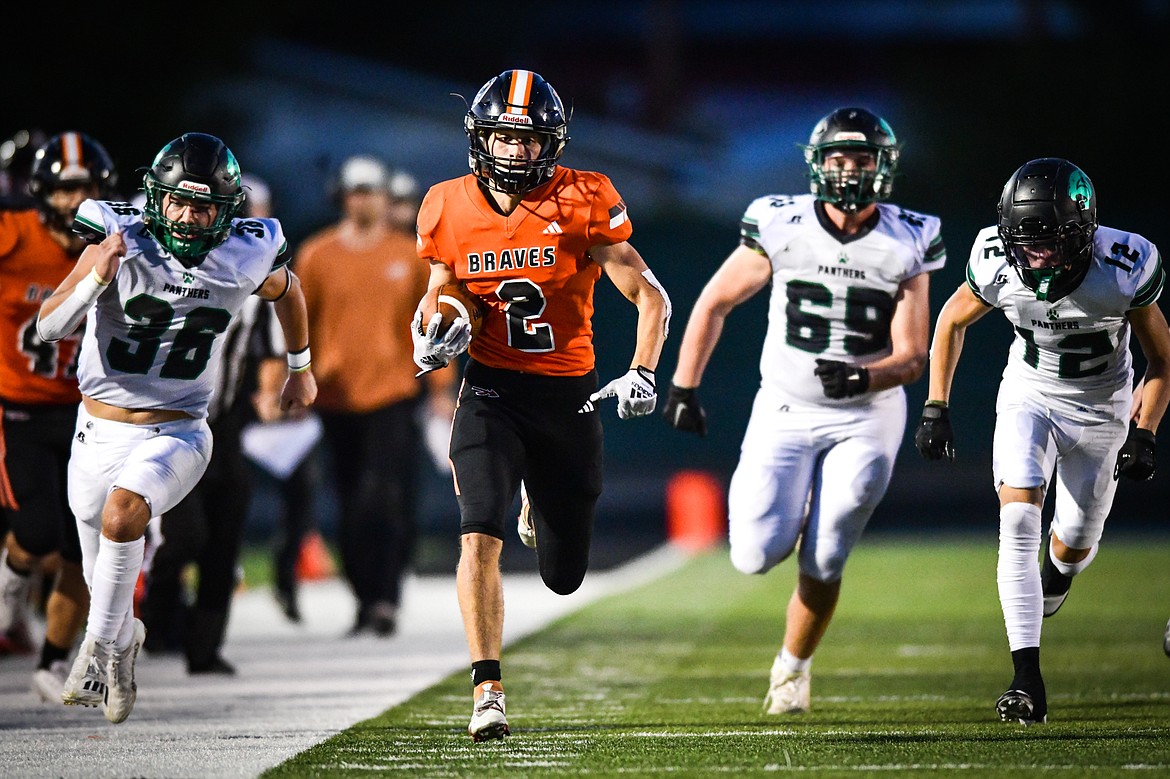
(617,215)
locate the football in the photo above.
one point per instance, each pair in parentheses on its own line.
(452,300)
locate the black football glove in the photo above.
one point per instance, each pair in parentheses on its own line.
(683,411)
(934,439)
(1136,459)
(840,379)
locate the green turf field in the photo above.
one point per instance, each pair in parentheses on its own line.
(669,679)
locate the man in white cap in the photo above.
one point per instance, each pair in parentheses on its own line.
(363,279)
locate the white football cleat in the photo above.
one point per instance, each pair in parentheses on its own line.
(487,718)
(86,683)
(49,683)
(123,691)
(788,691)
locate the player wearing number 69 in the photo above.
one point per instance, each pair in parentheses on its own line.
(157,289)
(1073,290)
(531,238)
(848,325)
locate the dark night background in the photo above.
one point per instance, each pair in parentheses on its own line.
(693,109)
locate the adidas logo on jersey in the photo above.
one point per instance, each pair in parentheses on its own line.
(552,229)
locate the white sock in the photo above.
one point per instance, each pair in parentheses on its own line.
(793,664)
(111,600)
(1018,574)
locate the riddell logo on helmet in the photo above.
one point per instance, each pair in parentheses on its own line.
(191,186)
(847,135)
(523,119)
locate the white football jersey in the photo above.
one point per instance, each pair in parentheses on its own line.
(153,338)
(1075,351)
(833,296)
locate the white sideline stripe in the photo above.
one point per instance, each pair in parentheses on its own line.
(297,685)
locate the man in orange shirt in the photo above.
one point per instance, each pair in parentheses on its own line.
(39,395)
(531,239)
(362,280)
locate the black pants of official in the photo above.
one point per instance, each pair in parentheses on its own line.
(375,457)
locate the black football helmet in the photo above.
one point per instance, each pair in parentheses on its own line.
(200,167)
(852,128)
(517,100)
(1049,203)
(70,159)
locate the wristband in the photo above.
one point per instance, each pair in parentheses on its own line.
(299,361)
(938,403)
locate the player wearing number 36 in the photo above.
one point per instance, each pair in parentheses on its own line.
(848,326)
(1072,290)
(157,290)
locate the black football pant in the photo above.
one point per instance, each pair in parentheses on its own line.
(511,426)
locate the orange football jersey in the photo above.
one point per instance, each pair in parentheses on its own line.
(532,267)
(32,264)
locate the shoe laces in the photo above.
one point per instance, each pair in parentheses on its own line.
(491,699)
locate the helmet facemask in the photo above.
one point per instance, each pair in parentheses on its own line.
(1069,250)
(851,190)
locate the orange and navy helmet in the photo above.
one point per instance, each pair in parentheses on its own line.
(69,160)
(516,100)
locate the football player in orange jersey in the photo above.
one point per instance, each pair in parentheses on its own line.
(39,395)
(531,239)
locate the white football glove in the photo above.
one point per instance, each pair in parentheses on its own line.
(431,351)
(634,392)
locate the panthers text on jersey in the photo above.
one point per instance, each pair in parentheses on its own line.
(833,297)
(152,339)
(32,265)
(531,267)
(1073,351)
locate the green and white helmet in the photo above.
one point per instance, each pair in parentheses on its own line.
(198,167)
(852,128)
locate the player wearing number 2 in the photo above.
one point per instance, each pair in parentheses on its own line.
(157,290)
(848,326)
(1072,290)
(531,239)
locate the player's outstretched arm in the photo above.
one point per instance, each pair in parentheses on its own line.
(744,273)
(934,439)
(62,312)
(1153,335)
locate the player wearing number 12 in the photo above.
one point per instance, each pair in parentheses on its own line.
(531,239)
(157,289)
(1073,291)
(848,324)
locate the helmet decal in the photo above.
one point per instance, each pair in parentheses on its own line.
(1080,189)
